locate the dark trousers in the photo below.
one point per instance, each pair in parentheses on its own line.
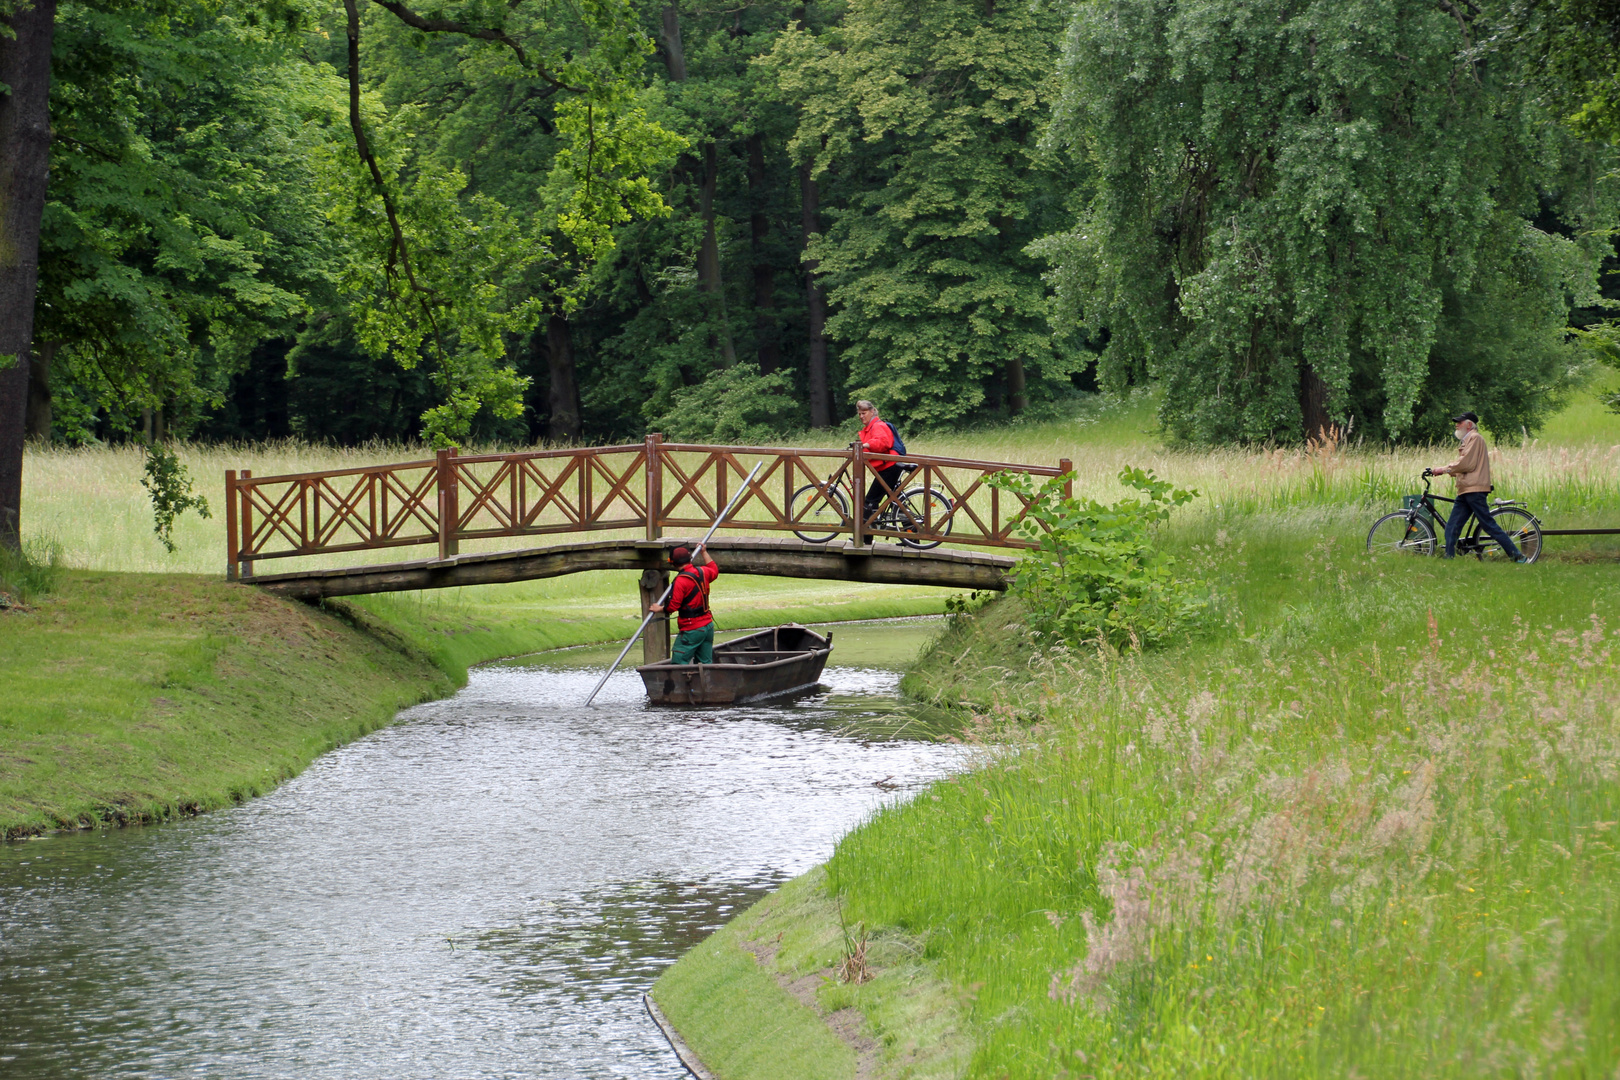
(876,493)
(1474,504)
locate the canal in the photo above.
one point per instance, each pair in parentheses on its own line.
(483,889)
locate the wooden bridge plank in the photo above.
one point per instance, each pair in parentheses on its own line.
(739,555)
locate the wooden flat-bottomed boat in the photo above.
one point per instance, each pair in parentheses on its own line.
(770,663)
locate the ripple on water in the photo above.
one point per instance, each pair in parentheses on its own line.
(481,890)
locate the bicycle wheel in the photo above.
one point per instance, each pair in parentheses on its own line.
(1400,533)
(1521,527)
(824,511)
(925,507)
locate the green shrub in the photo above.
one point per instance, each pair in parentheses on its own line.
(1095,576)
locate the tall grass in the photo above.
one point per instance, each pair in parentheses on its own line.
(29,573)
(1369,830)
(90,499)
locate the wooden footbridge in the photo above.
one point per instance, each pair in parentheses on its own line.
(641,499)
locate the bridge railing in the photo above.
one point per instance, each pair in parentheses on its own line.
(650,487)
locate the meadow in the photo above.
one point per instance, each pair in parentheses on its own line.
(1365,824)
(88,503)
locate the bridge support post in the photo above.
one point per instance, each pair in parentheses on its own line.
(858,495)
(232,545)
(247,531)
(1066,466)
(655,486)
(655,642)
(449,503)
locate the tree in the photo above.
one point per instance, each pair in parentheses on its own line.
(26,30)
(921,121)
(1570,50)
(442,272)
(182,225)
(1305,214)
(712,286)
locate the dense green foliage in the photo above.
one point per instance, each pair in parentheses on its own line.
(1308,213)
(1095,576)
(728,221)
(1569,50)
(184,224)
(926,118)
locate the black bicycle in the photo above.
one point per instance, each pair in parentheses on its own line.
(1416,527)
(825,510)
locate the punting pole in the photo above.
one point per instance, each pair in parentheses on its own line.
(662,600)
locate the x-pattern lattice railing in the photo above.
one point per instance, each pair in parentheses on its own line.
(651,486)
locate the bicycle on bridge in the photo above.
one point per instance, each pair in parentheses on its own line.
(1411,529)
(903,511)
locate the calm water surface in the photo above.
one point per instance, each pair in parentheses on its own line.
(482,890)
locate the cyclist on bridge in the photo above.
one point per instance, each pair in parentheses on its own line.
(879,437)
(1471,472)
(690,597)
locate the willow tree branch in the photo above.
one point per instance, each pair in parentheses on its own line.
(480,33)
(363,146)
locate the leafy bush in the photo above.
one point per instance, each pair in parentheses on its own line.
(1095,575)
(733,405)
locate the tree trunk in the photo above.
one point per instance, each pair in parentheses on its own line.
(1017,398)
(1313,403)
(38,424)
(815,303)
(674,51)
(25,161)
(709,279)
(564,425)
(765,329)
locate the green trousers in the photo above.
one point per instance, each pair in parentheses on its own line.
(694,646)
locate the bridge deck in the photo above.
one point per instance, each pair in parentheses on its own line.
(838,561)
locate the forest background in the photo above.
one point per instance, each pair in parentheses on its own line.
(726,219)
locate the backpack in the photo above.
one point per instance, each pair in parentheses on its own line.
(899,443)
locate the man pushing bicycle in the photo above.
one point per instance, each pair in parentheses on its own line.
(1471,472)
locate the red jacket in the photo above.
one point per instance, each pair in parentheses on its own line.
(683,589)
(879,439)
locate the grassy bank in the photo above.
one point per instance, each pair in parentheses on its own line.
(1366,828)
(767,997)
(136,697)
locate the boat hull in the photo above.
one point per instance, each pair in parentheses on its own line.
(771,663)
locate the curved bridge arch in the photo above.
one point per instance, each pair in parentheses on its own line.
(738,555)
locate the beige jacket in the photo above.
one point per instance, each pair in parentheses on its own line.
(1472,469)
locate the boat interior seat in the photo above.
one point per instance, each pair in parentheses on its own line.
(752,656)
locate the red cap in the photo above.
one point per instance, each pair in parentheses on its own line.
(680,556)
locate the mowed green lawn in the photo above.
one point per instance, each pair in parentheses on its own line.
(134,697)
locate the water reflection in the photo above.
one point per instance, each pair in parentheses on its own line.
(480,890)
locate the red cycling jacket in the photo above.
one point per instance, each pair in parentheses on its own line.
(879,439)
(685,584)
